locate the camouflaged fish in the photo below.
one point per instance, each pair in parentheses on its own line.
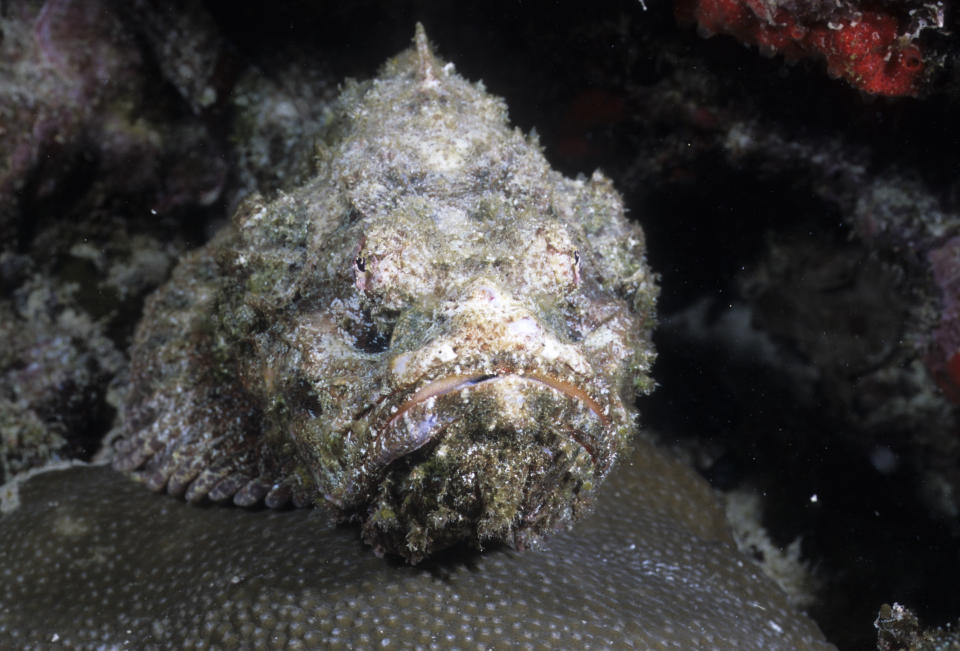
(438,335)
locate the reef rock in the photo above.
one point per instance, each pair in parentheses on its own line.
(438,335)
(91,560)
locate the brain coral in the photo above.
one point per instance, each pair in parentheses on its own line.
(92,560)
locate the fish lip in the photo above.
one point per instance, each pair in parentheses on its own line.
(457,382)
(385,452)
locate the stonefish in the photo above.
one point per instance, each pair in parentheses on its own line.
(438,335)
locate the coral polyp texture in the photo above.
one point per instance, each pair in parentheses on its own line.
(868,46)
(438,335)
(157,577)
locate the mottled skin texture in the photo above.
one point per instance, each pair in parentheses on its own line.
(652,567)
(438,335)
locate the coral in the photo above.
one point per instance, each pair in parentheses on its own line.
(283,108)
(81,125)
(783,565)
(652,567)
(187,46)
(816,297)
(898,629)
(868,47)
(26,441)
(883,337)
(55,365)
(96,168)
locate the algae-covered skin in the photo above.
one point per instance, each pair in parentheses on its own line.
(438,335)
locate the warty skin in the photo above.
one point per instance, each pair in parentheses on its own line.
(438,336)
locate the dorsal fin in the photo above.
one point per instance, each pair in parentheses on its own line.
(428,67)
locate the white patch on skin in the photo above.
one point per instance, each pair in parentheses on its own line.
(446,353)
(552,349)
(511,399)
(445,156)
(399,364)
(450,219)
(525,328)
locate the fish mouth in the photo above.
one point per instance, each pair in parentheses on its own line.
(453,383)
(484,456)
(415,423)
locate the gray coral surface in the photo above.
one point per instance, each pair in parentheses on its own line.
(652,567)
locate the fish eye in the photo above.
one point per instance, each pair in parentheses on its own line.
(359,271)
(371,332)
